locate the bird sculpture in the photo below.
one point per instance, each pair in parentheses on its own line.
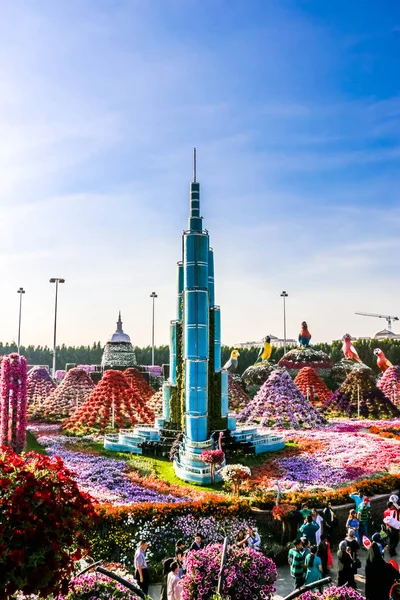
(265,350)
(348,349)
(382,362)
(304,335)
(232,363)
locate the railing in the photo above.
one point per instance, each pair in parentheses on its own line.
(306,588)
(205,444)
(127,584)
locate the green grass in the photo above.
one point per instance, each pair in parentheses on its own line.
(33,445)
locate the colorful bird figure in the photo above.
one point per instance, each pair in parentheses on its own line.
(232,363)
(265,350)
(348,349)
(304,335)
(382,362)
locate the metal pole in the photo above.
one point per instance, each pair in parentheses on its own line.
(153,295)
(358,400)
(223,561)
(284,324)
(55,331)
(20,292)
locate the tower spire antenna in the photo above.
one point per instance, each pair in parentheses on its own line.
(194,165)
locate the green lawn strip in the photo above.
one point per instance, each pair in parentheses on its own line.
(33,445)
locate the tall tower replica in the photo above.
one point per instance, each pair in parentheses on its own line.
(195,399)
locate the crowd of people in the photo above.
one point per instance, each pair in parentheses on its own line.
(311,558)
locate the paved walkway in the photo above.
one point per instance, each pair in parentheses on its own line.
(284,584)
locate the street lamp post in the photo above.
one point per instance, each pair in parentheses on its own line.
(20,292)
(55,280)
(154,296)
(284,295)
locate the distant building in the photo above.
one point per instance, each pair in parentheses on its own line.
(385,334)
(118,352)
(275,342)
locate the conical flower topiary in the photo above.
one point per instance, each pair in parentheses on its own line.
(358,395)
(312,386)
(156,402)
(280,403)
(238,398)
(390,384)
(112,404)
(40,385)
(138,383)
(296,359)
(65,399)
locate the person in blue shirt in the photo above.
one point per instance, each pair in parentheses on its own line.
(358,497)
(309,529)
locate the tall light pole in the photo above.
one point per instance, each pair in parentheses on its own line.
(20,292)
(154,296)
(284,295)
(55,280)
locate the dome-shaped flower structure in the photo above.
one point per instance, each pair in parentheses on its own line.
(296,359)
(358,394)
(40,385)
(280,403)
(390,384)
(118,352)
(238,398)
(256,375)
(312,386)
(65,399)
(112,401)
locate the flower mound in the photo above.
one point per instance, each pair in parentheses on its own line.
(42,520)
(312,386)
(306,357)
(333,593)
(138,383)
(238,399)
(98,586)
(280,403)
(247,574)
(359,389)
(112,395)
(390,384)
(40,385)
(65,399)
(256,375)
(156,403)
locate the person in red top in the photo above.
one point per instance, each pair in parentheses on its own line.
(391,518)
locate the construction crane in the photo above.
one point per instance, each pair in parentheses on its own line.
(388,318)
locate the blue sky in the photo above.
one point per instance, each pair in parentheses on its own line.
(294,107)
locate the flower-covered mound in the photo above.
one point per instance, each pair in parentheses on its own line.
(296,359)
(111,400)
(238,398)
(312,386)
(358,395)
(40,385)
(156,402)
(327,459)
(247,574)
(97,586)
(138,383)
(105,479)
(280,403)
(344,367)
(256,375)
(390,384)
(65,399)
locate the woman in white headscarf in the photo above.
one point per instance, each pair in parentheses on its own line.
(345,565)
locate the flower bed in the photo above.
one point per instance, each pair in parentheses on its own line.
(100,587)
(386,432)
(333,593)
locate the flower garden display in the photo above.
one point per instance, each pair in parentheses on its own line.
(118,352)
(43,522)
(390,384)
(111,403)
(156,403)
(40,385)
(296,359)
(100,587)
(247,574)
(13,402)
(256,375)
(238,399)
(212,458)
(358,395)
(333,593)
(280,403)
(64,399)
(344,367)
(139,384)
(312,386)
(235,475)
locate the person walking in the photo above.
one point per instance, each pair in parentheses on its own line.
(313,565)
(322,553)
(379,575)
(354,546)
(141,569)
(363,517)
(345,566)
(353,523)
(174,589)
(319,520)
(296,562)
(391,520)
(305,511)
(179,555)
(309,529)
